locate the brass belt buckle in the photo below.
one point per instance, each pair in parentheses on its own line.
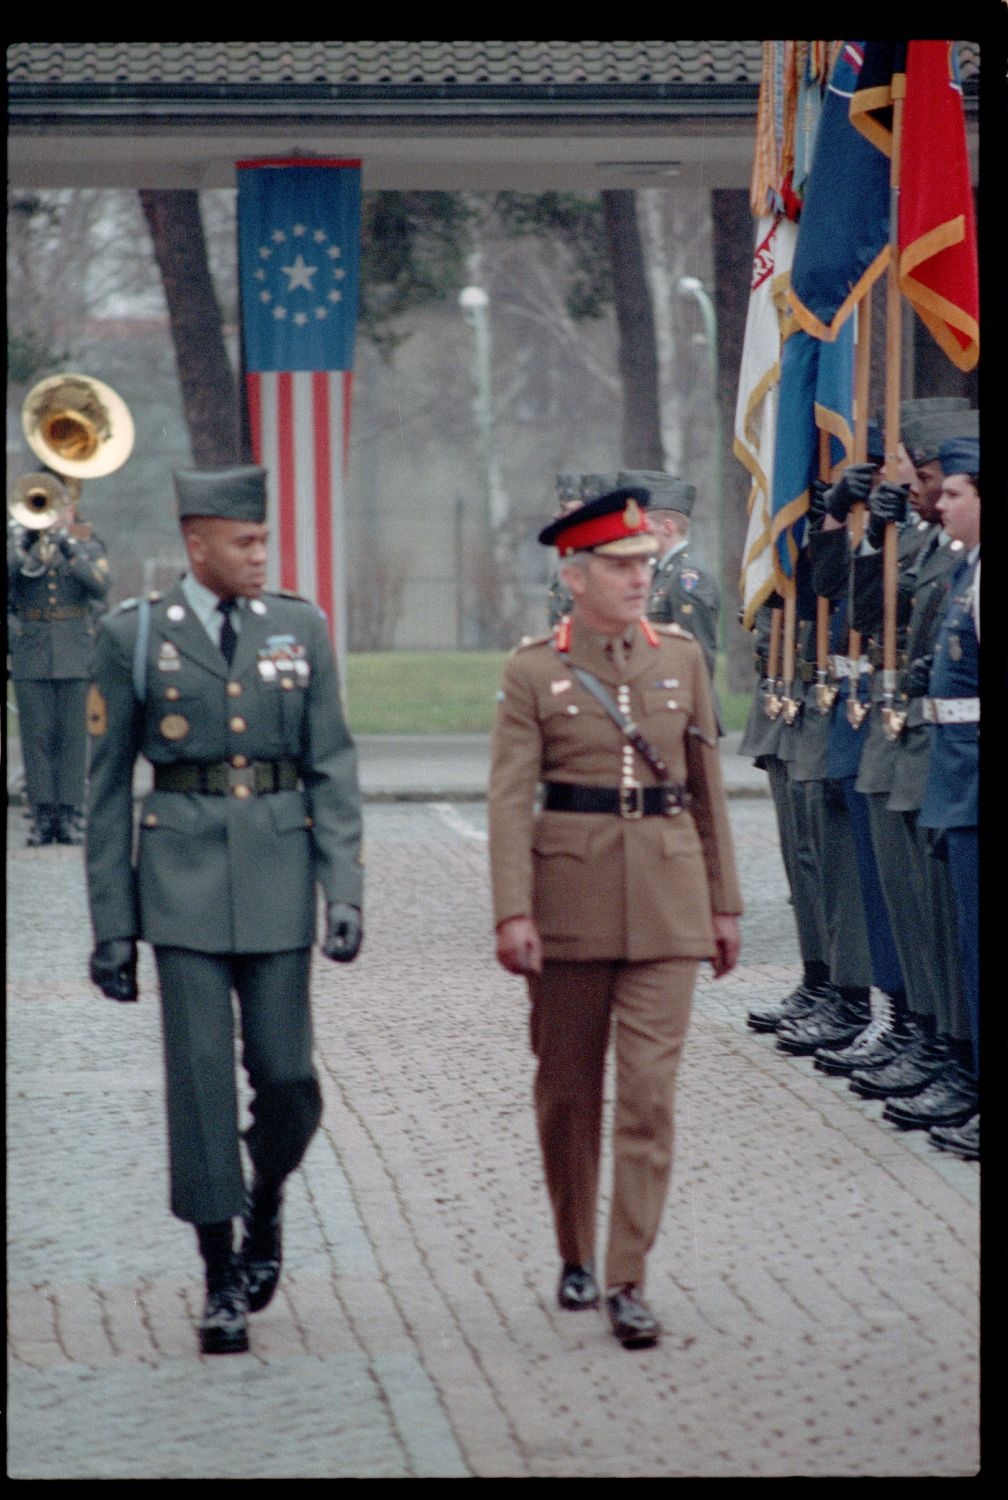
(241,781)
(631,800)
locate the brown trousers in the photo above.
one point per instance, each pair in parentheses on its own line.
(573,1006)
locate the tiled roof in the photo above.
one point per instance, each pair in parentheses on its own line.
(414,65)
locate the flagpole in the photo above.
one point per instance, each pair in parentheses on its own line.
(892,407)
(825,691)
(774,701)
(856,709)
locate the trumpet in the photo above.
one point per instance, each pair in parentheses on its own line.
(37,503)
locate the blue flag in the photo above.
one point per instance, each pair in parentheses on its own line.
(843,237)
(816,395)
(299,244)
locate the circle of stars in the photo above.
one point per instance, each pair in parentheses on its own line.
(307,259)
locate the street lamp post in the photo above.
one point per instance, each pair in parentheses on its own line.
(474,303)
(692,286)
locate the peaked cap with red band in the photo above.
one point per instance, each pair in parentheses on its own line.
(614,525)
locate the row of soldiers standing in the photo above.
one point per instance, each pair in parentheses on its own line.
(876,794)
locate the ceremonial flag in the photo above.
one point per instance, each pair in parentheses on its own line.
(299,252)
(756,406)
(816,395)
(843,246)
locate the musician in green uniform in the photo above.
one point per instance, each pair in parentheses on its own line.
(232,694)
(56,575)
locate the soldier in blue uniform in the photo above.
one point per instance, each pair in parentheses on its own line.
(949,1106)
(232,693)
(55,576)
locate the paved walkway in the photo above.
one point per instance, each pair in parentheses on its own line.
(816,1270)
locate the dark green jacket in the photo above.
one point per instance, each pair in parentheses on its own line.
(683,594)
(51,616)
(220,874)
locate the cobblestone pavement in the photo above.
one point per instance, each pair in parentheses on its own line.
(816,1272)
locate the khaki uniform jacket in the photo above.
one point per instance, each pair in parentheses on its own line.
(600,886)
(220,874)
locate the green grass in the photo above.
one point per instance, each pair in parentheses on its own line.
(423,692)
(448,692)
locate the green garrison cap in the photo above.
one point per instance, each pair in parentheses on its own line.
(231,494)
(924,435)
(594,485)
(667,491)
(925,406)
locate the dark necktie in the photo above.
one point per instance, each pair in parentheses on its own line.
(228,635)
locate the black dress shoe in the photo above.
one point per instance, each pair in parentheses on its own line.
(835,1022)
(798,1003)
(43,828)
(872,1048)
(906,1075)
(66,827)
(958,1140)
(949,1099)
(578,1287)
(633,1322)
(262,1248)
(224,1329)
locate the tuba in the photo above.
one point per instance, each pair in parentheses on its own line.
(78,426)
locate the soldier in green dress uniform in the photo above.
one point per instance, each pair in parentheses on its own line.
(231,693)
(55,577)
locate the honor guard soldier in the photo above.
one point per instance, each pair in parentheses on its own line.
(608,897)
(232,694)
(57,570)
(681,592)
(948,1107)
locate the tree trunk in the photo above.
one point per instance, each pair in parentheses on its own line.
(638,354)
(733,254)
(204,370)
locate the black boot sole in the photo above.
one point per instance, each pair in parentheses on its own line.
(214,1341)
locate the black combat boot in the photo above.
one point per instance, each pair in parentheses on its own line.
(262,1242)
(884,1038)
(224,1328)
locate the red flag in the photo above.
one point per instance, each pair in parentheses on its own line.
(937,229)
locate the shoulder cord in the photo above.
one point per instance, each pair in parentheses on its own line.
(140,650)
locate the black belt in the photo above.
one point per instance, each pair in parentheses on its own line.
(633,801)
(222,778)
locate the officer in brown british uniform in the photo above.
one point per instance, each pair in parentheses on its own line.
(608,898)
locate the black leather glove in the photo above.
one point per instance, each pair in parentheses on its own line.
(885,504)
(344,932)
(113,968)
(817,503)
(853,485)
(918,676)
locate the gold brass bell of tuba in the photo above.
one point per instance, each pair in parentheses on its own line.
(78,426)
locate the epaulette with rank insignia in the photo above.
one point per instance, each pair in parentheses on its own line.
(125,606)
(530,640)
(673,629)
(289,594)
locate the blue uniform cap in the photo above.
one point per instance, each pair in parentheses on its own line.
(960,455)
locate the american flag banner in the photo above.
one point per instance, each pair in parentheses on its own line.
(299,255)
